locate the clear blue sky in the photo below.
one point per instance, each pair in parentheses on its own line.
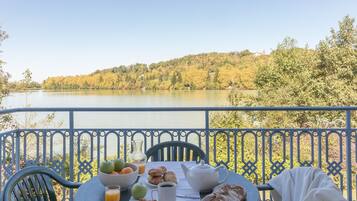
(75,37)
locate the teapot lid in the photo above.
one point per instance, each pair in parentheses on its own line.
(202,166)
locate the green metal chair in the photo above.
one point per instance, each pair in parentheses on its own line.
(34,183)
(175,151)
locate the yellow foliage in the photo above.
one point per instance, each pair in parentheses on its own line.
(203,71)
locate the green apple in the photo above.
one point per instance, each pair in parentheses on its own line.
(107,167)
(138,191)
(118,164)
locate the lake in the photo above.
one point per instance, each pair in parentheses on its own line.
(110,98)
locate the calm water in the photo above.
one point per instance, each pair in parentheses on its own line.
(106,98)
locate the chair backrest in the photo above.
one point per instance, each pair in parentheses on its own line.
(35,184)
(175,151)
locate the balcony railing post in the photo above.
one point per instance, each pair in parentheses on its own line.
(71,150)
(44,148)
(348,155)
(263,160)
(1,161)
(17,160)
(207,134)
(319,144)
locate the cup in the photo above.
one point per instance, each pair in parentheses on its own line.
(112,193)
(166,191)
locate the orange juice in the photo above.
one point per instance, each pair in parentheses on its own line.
(112,194)
(141,168)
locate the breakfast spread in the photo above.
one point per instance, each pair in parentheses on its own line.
(161,174)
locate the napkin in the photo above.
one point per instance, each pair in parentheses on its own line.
(179,192)
(187,192)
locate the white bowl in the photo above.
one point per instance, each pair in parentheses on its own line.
(122,180)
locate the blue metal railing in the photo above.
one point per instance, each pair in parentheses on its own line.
(75,153)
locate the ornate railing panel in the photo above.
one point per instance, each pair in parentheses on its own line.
(75,153)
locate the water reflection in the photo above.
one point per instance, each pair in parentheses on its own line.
(119,98)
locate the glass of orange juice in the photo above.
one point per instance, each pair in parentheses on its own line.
(141,167)
(112,193)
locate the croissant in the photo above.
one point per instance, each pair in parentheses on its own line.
(170,176)
(155,173)
(155,180)
(163,169)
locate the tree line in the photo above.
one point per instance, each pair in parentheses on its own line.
(203,71)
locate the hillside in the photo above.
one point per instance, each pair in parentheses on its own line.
(202,71)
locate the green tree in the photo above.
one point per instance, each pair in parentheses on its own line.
(324,76)
(335,76)
(26,81)
(3,75)
(6,121)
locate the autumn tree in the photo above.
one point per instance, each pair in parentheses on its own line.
(193,72)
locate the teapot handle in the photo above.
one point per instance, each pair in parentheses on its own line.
(226,173)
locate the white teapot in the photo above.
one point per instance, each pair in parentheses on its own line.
(203,177)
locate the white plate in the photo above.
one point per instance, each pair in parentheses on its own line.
(155,186)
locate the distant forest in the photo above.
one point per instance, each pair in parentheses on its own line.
(203,71)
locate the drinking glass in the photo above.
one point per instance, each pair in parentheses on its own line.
(112,193)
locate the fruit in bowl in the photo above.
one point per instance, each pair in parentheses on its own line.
(126,170)
(119,164)
(109,175)
(107,167)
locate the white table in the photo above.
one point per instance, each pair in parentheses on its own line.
(93,190)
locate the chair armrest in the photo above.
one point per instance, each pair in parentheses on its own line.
(69,184)
(53,175)
(264,187)
(45,171)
